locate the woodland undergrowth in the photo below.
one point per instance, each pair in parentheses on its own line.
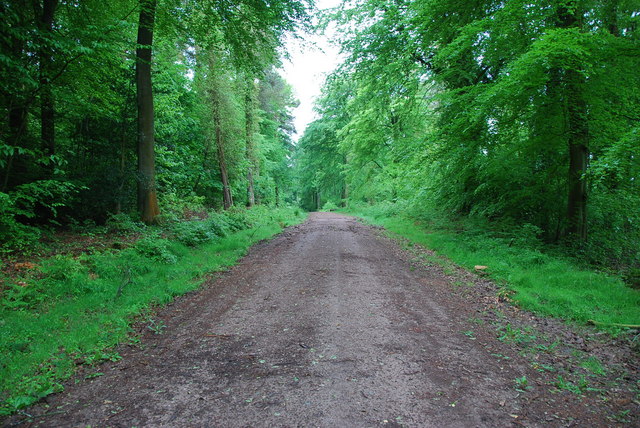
(70,310)
(534,276)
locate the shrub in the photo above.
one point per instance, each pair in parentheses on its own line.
(193,233)
(176,207)
(123,223)
(329,206)
(218,224)
(13,234)
(156,248)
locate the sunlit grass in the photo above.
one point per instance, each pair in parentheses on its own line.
(77,309)
(541,282)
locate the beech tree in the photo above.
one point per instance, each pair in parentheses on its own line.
(85,132)
(507,111)
(147,198)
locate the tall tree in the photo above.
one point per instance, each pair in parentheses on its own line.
(569,14)
(147,197)
(250,135)
(45,12)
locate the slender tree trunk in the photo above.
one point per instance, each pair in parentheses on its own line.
(578,163)
(17,128)
(227,198)
(123,159)
(344,196)
(250,124)
(216,106)
(611,17)
(251,196)
(147,198)
(16,100)
(205,160)
(577,138)
(45,16)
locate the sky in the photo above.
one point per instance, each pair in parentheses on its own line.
(310,61)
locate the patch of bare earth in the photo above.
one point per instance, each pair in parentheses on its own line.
(332,324)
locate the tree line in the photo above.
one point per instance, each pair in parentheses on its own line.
(522,113)
(109,107)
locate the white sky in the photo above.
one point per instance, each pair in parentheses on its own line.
(310,62)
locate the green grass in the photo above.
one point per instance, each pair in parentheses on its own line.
(76,309)
(540,282)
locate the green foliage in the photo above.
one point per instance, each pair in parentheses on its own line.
(31,202)
(13,233)
(192,233)
(157,249)
(470,109)
(85,70)
(522,384)
(542,282)
(329,206)
(593,365)
(124,223)
(76,309)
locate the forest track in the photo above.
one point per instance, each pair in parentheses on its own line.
(328,324)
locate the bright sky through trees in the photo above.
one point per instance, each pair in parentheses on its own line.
(310,61)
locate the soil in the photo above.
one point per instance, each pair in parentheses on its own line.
(334,324)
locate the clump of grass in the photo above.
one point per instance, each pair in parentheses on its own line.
(76,309)
(543,283)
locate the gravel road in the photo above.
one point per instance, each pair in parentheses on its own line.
(327,325)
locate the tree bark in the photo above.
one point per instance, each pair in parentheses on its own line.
(15,99)
(216,107)
(344,196)
(611,17)
(250,123)
(45,18)
(577,138)
(227,198)
(147,198)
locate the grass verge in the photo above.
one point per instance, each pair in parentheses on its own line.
(72,310)
(539,282)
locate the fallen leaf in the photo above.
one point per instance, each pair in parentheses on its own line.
(25,266)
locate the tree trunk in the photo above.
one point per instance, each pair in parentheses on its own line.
(227,198)
(577,138)
(17,128)
(45,17)
(147,198)
(15,99)
(250,124)
(611,17)
(578,163)
(344,196)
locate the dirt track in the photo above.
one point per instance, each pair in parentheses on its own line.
(327,325)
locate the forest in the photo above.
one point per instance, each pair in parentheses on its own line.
(523,115)
(94,125)
(136,133)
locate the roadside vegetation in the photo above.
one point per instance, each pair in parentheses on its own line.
(502,135)
(62,311)
(541,279)
(492,133)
